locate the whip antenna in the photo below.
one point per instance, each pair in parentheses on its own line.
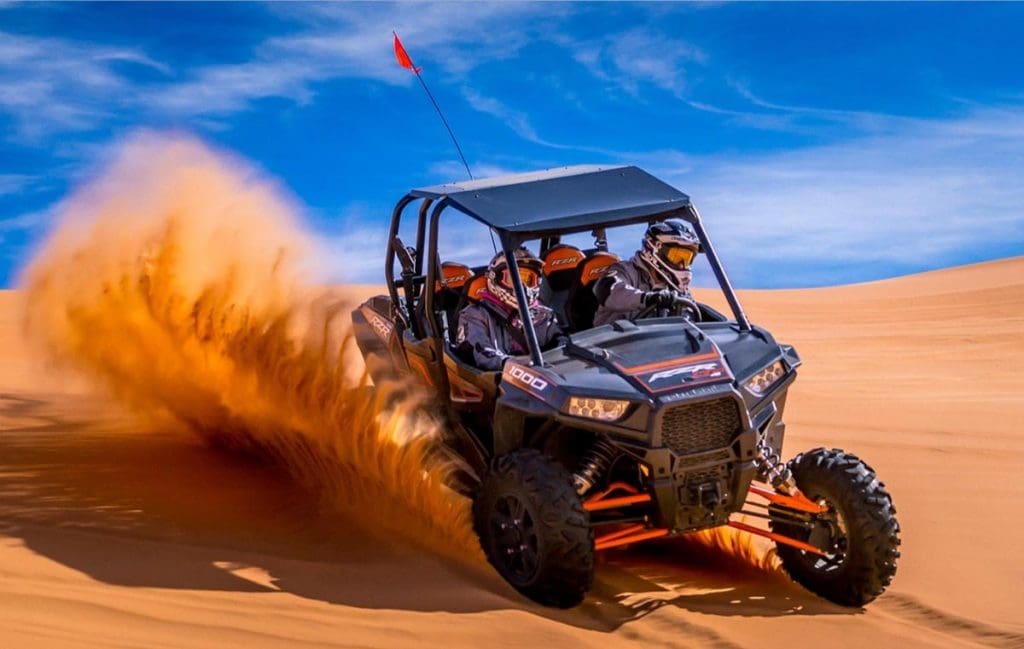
(406,62)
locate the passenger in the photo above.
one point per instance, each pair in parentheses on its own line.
(655,277)
(491,330)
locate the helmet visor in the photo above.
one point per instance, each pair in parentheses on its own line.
(678,257)
(529,277)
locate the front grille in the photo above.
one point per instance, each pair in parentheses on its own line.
(701,476)
(694,428)
(721,455)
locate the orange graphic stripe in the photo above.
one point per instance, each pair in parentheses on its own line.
(675,362)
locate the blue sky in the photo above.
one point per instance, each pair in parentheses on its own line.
(823,143)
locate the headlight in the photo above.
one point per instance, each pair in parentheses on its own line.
(603,409)
(764,379)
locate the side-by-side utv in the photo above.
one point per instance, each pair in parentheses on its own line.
(635,430)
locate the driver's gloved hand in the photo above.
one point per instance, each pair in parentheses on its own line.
(663,299)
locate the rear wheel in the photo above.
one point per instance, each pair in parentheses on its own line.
(534,530)
(859,531)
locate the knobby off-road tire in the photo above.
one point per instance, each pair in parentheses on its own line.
(861,524)
(534,530)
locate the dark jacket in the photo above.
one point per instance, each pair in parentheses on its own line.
(620,292)
(490,332)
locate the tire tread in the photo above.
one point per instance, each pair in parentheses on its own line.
(871,526)
(566,570)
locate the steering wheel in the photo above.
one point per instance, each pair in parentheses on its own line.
(691,309)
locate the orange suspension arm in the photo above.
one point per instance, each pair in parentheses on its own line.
(626,535)
(776,537)
(625,531)
(797,501)
(602,501)
(629,535)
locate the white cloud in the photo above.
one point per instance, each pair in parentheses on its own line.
(355,256)
(452,170)
(521,125)
(49,84)
(14,183)
(638,56)
(340,40)
(654,58)
(515,120)
(54,85)
(928,194)
(25,222)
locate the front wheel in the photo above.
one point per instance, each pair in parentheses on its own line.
(534,530)
(859,530)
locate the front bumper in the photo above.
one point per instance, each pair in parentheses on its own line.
(701,454)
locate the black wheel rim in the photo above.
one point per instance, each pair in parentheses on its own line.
(832,525)
(515,538)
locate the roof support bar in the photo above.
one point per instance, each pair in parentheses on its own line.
(509,246)
(421,229)
(389,265)
(428,289)
(716,266)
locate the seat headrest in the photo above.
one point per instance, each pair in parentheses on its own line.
(453,276)
(561,257)
(594,266)
(475,286)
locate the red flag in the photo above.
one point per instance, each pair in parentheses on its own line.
(403,56)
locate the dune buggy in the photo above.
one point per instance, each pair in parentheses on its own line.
(627,432)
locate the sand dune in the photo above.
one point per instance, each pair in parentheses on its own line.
(109,537)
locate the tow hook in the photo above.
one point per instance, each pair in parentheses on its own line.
(711,496)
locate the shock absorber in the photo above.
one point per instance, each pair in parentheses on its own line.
(596,461)
(774,470)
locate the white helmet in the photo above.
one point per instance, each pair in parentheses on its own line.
(499,282)
(668,251)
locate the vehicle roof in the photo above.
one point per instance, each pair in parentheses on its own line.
(562,199)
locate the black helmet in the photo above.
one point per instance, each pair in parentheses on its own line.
(499,282)
(668,251)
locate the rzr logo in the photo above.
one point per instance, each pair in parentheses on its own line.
(381,326)
(457,279)
(532,380)
(694,372)
(563,262)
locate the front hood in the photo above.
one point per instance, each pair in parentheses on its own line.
(652,357)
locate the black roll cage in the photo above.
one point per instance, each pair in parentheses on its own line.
(413,278)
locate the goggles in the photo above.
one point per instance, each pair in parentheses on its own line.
(678,256)
(529,277)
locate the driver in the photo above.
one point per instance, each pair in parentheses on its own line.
(653,278)
(490,331)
